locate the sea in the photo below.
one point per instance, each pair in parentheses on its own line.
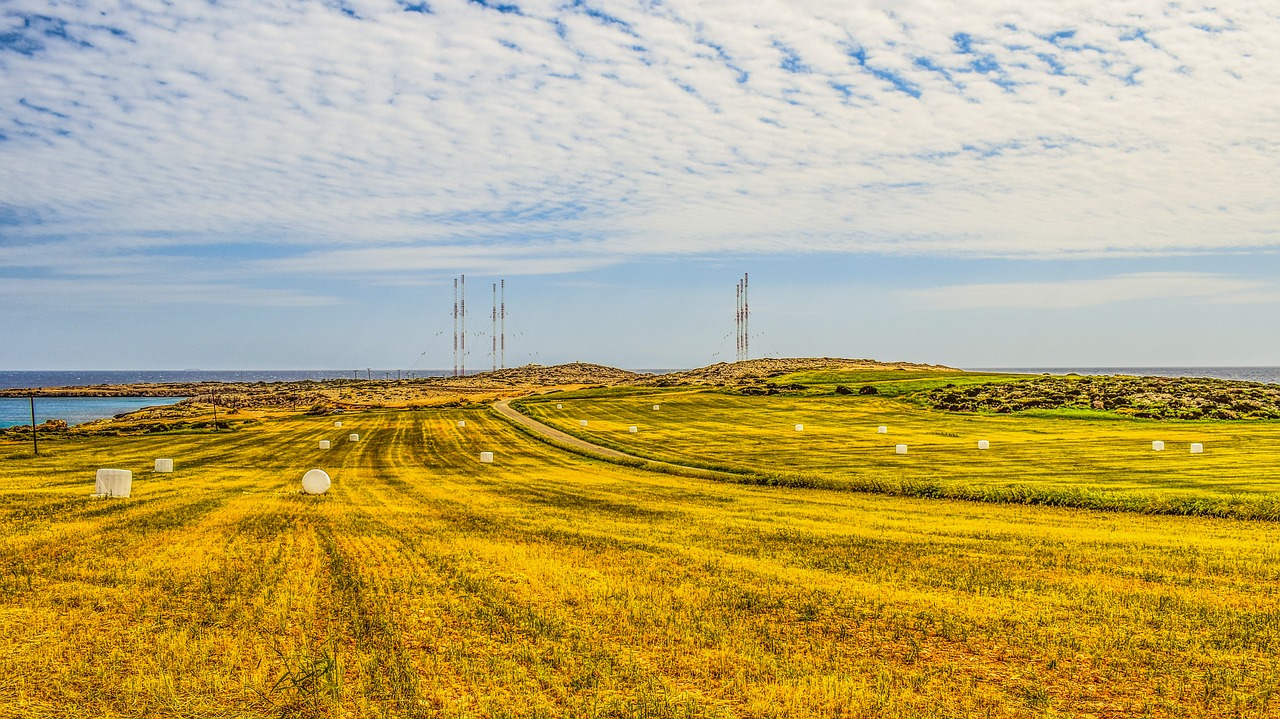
(77,410)
(15,411)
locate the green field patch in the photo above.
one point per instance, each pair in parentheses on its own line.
(1071,457)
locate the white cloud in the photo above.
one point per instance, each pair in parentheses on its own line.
(470,139)
(109,294)
(1070,294)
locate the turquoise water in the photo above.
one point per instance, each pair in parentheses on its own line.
(74,410)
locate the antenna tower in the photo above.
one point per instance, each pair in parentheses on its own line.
(737,323)
(493,355)
(462,317)
(741,321)
(455,326)
(502,316)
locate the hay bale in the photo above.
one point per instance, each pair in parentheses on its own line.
(633,429)
(113,483)
(882,429)
(324,444)
(1157,446)
(486,457)
(164,466)
(984,444)
(900,449)
(353,437)
(1197,448)
(315,481)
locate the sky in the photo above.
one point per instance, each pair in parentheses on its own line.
(295,184)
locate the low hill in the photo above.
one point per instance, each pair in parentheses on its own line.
(757,369)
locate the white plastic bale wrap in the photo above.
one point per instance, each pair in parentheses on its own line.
(633,429)
(113,483)
(900,449)
(1197,448)
(582,423)
(462,423)
(337,424)
(353,437)
(486,457)
(655,408)
(164,465)
(799,427)
(882,430)
(1157,446)
(984,444)
(324,444)
(315,481)
(559,406)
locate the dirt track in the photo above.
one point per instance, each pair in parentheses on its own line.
(504,408)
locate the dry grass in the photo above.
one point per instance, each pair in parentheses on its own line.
(427,584)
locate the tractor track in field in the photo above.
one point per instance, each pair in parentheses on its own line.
(503,408)
(563,440)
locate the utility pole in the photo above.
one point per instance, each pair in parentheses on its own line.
(213,397)
(35,443)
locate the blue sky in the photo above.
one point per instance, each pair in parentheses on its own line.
(294,184)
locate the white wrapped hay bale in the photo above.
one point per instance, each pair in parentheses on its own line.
(984,444)
(353,437)
(1197,448)
(315,481)
(164,465)
(882,429)
(655,408)
(633,429)
(582,423)
(799,427)
(113,483)
(337,424)
(486,457)
(324,444)
(462,423)
(1157,446)
(559,406)
(900,449)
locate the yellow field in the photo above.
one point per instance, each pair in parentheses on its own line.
(546,584)
(1074,459)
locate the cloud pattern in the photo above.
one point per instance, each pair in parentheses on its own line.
(375,138)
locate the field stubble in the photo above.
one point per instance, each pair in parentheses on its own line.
(426,584)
